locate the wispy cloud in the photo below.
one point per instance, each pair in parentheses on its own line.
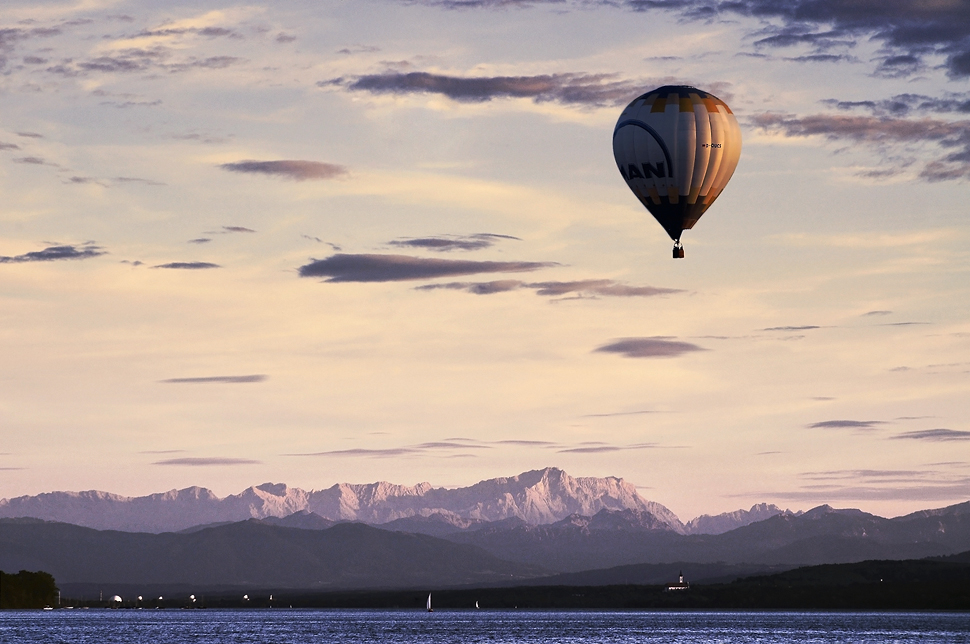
(140,60)
(652,347)
(566,88)
(603,449)
(457,446)
(847,424)
(882,131)
(390,268)
(622,413)
(882,485)
(936,435)
(218,379)
(908,29)
(56,253)
(906,104)
(421,448)
(288,169)
(583,288)
(526,443)
(445,243)
(188,265)
(792,328)
(207,461)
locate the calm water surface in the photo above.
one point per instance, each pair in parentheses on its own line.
(414,627)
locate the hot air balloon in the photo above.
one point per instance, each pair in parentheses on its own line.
(677,147)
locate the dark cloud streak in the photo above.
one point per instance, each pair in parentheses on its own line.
(584,288)
(391,268)
(232,380)
(936,435)
(477,241)
(56,253)
(566,88)
(847,424)
(297,170)
(653,347)
(191,266)
(207,461)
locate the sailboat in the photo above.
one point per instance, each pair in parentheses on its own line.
(476,603)
(430,610)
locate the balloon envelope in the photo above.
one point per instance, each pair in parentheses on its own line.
(677,147)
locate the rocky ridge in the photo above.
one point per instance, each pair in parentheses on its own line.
(537,497)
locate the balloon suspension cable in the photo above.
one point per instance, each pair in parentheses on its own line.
(678,249)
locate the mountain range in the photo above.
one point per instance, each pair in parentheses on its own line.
(539,527)
(537,497)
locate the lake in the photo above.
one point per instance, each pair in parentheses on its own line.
(291,626)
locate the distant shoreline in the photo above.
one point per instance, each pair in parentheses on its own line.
(748,595)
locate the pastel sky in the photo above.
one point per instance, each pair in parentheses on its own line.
(347,241)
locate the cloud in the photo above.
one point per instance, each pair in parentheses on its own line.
(585,288)
(219,379)
(935,435)
(478,288)
(567,88)
(33,161)
(792,328)
(9,146)
(602,449)
(128,104)
(207,461)
(524,443)
(147,182)
(847,424)
(188,265)
(237,229)
(162,451)
(600,287)
(653,347)
(862,484)
(289,169)
(903,323)
(377,453)
(912,28)
(874,313)
(209,32)
(390,268)
(885,131)
(447,243)
(199,240)
(402,451)
(906,104)
(908,29)
(137,60)
(621,413)
(823,58)
(56,253)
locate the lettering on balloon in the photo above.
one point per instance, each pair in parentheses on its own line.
(649,170)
